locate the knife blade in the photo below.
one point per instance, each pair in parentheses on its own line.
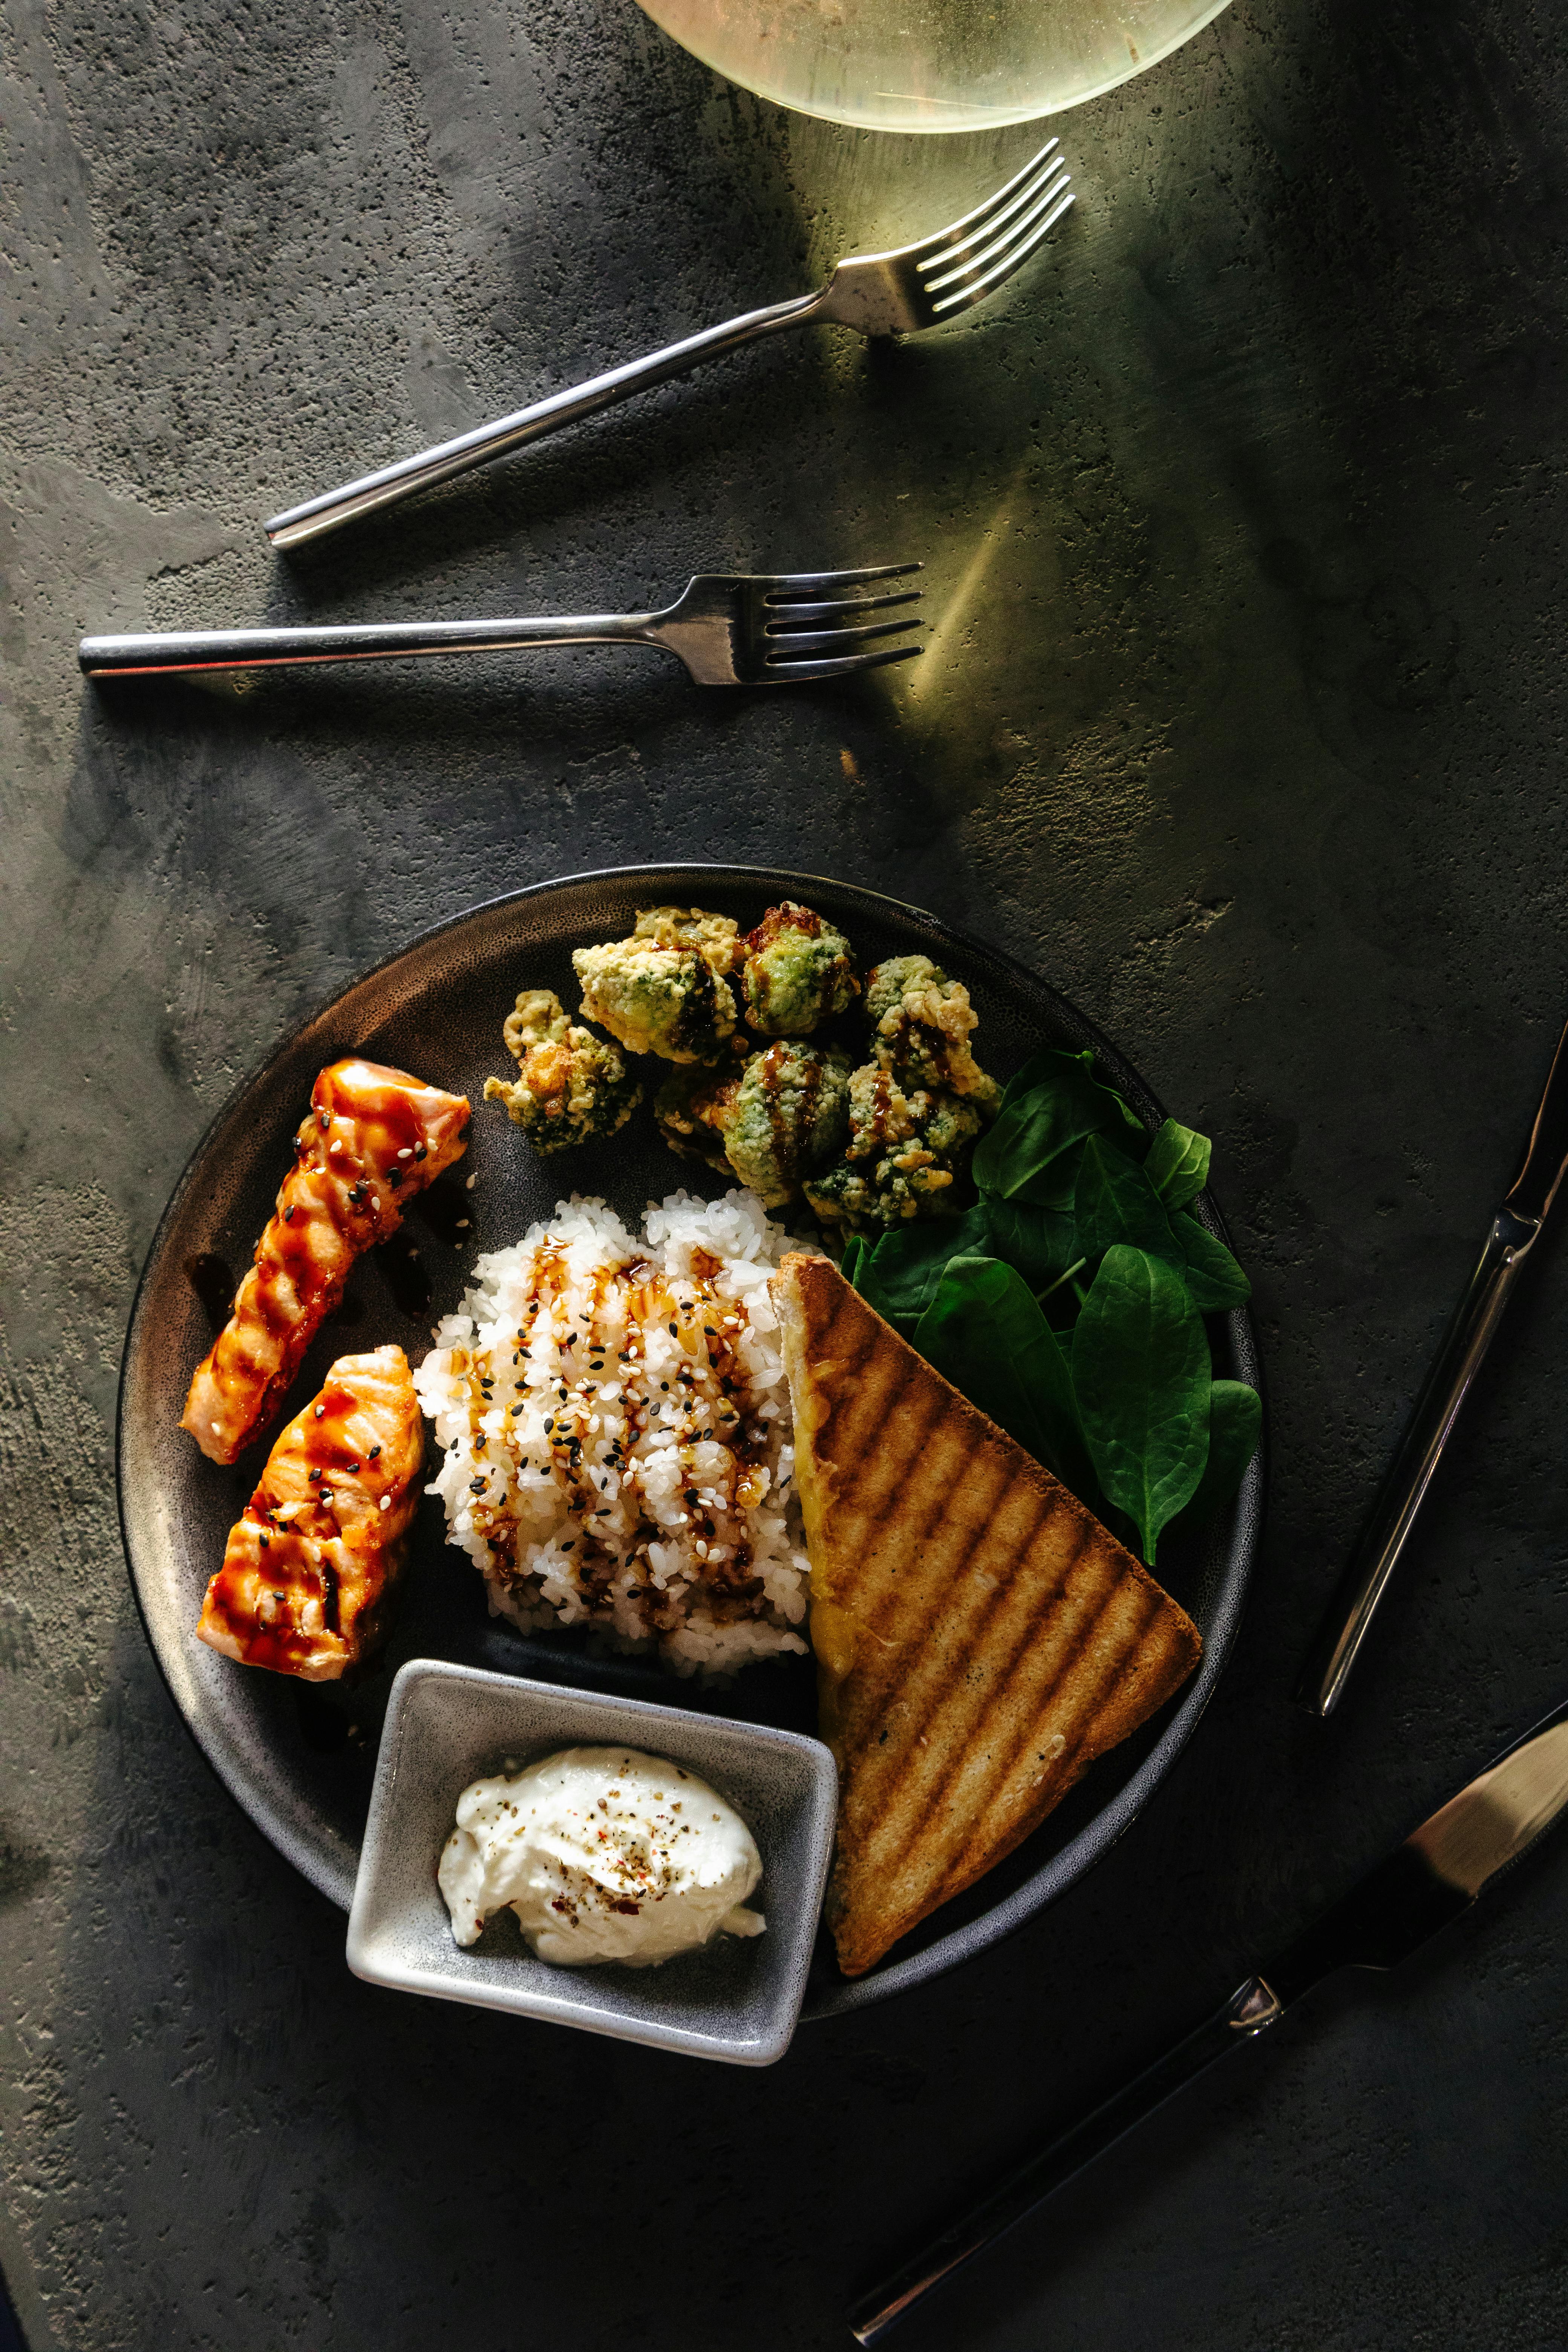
(1428,1881)
(1470,1332)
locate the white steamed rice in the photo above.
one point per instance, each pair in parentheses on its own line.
(617,1431)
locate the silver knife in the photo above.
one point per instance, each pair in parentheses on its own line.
(1423,1885)
(1514,1232)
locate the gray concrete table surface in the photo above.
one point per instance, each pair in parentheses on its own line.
(1242,721)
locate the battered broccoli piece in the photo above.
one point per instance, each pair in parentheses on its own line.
(785,1111)
(694,1108)
(666,990)
(900,1160)
(920,1023)
(570,1085)
(798,972)
(713,936)
(792,1114)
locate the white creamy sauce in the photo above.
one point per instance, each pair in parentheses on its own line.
(604,1853)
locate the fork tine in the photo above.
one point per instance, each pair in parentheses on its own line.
(837,607)
(983,211)
(1019,218)
(979,287)
(784,645)
(780,585)
(792,672)
(1040,187)
(1017,238)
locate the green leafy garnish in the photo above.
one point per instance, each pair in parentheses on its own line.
(898,1276)
(1178,1164)
(1235,1424)
(1213,1277)
(1141,1373)
(1068,1302)
(1114,1201)
(985,1332)
(1028,1154)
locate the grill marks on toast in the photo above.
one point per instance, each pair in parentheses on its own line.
(1001,1639)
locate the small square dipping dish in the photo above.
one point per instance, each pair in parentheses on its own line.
(737,1997)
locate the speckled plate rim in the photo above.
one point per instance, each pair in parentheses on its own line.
(1062,1869)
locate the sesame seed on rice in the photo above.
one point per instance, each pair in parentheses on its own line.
(585,1518)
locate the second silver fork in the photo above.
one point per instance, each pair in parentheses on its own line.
(771,628)
(896,293)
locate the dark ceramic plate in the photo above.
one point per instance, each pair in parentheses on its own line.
(299,1757)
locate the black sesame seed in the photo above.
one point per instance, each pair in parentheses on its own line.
(374,1452)
(476,1486)
(419,1151)
(289,1214)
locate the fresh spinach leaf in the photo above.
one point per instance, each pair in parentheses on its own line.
(1178,1164)
(1039,1069)
(984,1333)
(1040,1243)
(854,1251)
(1235,1423)
(877,1297)
(1140,1376)
(1113,1202)
(1214,1279)
(1029,1152)
(906,1264)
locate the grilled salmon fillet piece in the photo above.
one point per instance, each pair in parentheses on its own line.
(980,1637)
(307,1569)
(373,1137)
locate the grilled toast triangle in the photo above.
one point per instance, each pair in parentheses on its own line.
(980,1637)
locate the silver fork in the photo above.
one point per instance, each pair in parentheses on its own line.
(770,628)
(896,293)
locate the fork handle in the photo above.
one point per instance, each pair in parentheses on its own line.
(392,483)
(143,656)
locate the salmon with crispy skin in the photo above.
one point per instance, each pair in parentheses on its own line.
(307,1570)
(373,1137)
(980,1637)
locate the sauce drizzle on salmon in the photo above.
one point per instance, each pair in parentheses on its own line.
(307,1569)
(373,1137)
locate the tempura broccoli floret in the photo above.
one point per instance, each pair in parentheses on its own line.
(900,1159)
(798,972)
(666,990)
(570,1085)
(785,1112)
(920,1024)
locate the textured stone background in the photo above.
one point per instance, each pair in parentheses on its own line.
(1244,514)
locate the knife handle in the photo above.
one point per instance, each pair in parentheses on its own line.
(1458,1360)
(1249,2010)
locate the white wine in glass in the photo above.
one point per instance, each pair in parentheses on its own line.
(930,65)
